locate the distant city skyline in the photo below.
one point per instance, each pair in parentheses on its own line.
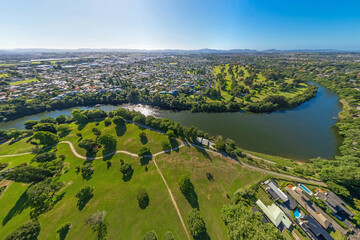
(180,24)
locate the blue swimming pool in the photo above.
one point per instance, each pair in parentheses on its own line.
(297,213)
(305,189)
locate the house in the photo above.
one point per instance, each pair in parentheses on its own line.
(275,189)
(203,141)
(275,214)
(336,205)
(316,229)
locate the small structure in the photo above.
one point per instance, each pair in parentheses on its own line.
(203,141)
(275,214)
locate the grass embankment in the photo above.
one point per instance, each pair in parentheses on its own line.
(118,198)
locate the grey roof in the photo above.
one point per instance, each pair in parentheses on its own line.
(278,192)
(337,203)
(272,194)
(317,230)
(291,203)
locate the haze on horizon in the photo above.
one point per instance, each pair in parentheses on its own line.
(180,24)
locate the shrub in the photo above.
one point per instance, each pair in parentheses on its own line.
(98,224)
(169,236)
(30,124)
(46,138)
(126,170)
(151,235)
(107,140)
(63,130)
(29,230)
(143,137)
(96,131)
(143,198)
(45,157)
(3,165)
(49,127)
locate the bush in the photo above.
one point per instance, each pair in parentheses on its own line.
(26,174)
(45,157)
(30,124)
(49,127)
(46,138)
(196,224)
(96,131)
(126,170)
(63,130)
(27,231)
(143,137)
(109,141)
(98,224)
(3,165)
(169,236)
(143,198)
(151,235)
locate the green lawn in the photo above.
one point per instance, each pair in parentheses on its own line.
(21,146)
(128,139)
(118,198)
(24,81)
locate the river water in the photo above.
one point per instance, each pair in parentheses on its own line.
(301,133)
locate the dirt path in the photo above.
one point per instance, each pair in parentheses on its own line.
(172,199)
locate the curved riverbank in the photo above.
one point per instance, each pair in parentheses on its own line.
(301,133)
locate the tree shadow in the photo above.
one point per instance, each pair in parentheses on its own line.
(63,231)
(45,206)
(21,204)
(144,140)
(203,236)
(108,152)
(120,130)
(83,201)
(81,126)
(145,160)
(204,153)
(192,198)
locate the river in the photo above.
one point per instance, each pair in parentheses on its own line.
(301,133)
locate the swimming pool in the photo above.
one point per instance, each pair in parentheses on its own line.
(306,189)
(297,213)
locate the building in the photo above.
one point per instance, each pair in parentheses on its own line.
(319,232)
(275,215)
(273,188)
(203,141)
(336,205)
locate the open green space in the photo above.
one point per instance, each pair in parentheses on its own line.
(24,81)
(118,197)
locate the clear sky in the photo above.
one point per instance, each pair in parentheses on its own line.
(180,24)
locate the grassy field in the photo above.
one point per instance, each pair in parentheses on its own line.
(269,88)
(4,75)
(24,81)
(118,198)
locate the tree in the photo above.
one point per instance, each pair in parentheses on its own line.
(30,123)
(90,145)
(50,127)
(47,120)
(166,146)
(170,134)
(109,141)
(98,224)
(63,130)
(143,198)
(144,151)
(26,174)
(84,196)
(79,116)
(61,119)
(151,235)
(107,122)
(27,231)
(196,224)
(87,170)
(126,170)
(42,192)
(45,157)
(96,131)
(188,189)
(220,145)
(119,121)
(14,134)
(46,138)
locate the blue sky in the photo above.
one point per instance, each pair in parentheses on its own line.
(180,24)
